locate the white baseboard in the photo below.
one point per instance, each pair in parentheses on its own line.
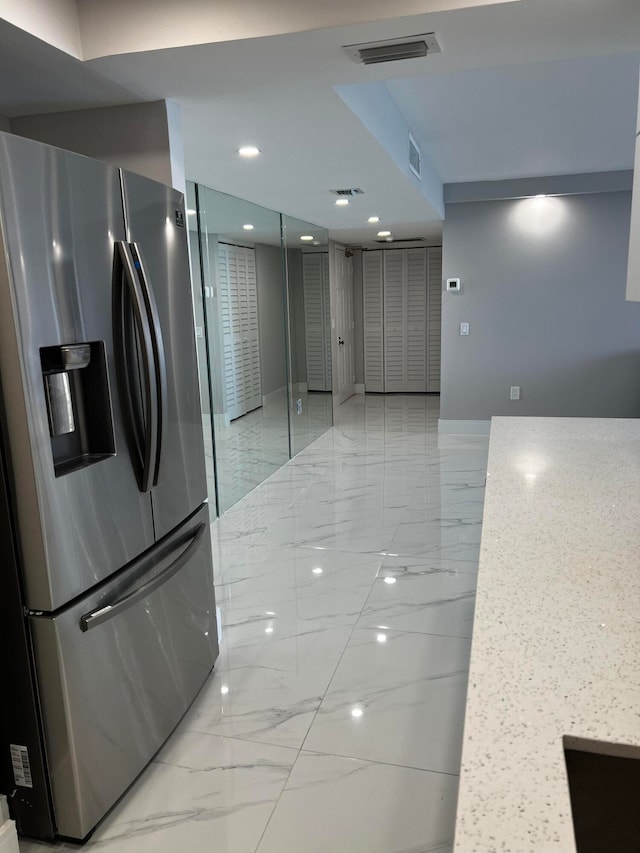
(221,420)
(451,427)
(359,388)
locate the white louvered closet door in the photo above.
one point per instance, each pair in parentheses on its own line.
(416,321)
(402,309)
(395,321)
(317,321)
(240,333)
(373,310)
(434,317)
(326,309)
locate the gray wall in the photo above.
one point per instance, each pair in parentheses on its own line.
(543,288)
(271,317)
(138,137)
(5,124)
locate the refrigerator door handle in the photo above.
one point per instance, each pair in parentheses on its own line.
(109,611)
(153,319)
(125,275)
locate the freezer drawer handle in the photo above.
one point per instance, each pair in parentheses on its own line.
(106,612)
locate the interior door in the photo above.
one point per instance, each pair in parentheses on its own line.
(156,224)
(240,329)
(416,320)
(344,325)
(395,321)
(434,317)
(317,321)
(373,311)
(79,523)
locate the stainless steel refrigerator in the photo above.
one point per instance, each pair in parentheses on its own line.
(107,612)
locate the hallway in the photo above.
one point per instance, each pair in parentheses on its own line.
(333,720)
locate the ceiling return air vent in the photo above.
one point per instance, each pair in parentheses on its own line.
(350,192)
(415,158)
(393,50)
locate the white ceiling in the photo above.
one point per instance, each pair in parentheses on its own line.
(278,93)
(550,118)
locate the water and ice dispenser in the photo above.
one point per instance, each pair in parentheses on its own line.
(78,402)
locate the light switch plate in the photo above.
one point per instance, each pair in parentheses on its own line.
(464,328)
(514,393)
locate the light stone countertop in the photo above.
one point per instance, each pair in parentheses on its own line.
(556,640)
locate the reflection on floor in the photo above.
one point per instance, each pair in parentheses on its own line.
(256,445)
(333,721)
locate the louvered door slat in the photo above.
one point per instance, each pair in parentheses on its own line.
(434,315)
(373,310)
(314,322)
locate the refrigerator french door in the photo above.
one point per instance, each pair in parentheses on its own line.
(110,598)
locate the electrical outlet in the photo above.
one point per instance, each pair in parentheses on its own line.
(299,406)
(514,394)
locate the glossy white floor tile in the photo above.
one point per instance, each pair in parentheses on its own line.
(346,806)
(398,698)
(333,720)
(440,602)
(202,793)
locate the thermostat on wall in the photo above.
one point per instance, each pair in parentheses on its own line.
(453,285)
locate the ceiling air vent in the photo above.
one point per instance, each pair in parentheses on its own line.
(415,157)
(348,193)
(411,47)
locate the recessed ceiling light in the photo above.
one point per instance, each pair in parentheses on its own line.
(384,233)
(306,238)
(357,712)
(373,219)
(317,570)
(390,580)
(248,151)
(248,227)
(224,690)
(268,630)
(381,638)
(191,212)
(341,202)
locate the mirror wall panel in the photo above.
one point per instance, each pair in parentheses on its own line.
(247,358)
(306,251)
(201,305)
(263,335)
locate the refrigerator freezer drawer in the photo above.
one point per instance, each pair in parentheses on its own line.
(118,669)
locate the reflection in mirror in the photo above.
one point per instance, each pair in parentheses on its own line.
(240,246)
(307,264)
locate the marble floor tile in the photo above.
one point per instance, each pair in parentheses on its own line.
(397,698)
(340,805)
(332,722)
(439,603)
(269,704)
(202,793)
